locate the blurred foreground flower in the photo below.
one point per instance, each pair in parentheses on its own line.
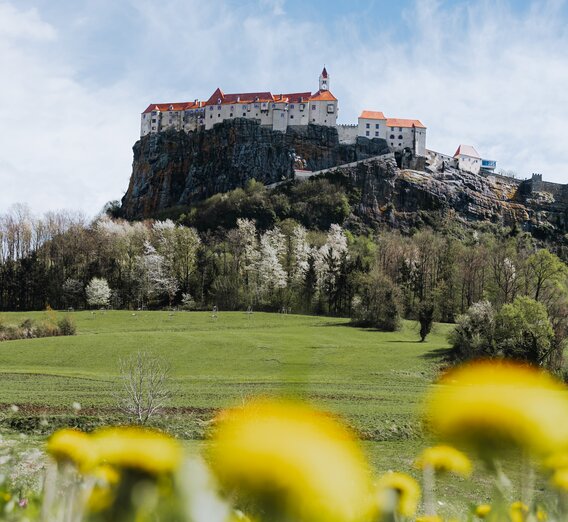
(292,462)
(444,459)
(482,510)
(138,449)
(398,493)
(72,446)
(493,405)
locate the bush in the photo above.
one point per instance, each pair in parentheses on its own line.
(67,326)
(379,302)
(474,332)
(46,329)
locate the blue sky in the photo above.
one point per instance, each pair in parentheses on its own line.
(76,75)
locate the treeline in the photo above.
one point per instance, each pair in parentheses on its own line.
(61,260)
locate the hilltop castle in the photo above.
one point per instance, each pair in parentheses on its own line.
(280,111)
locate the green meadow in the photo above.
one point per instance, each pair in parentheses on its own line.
(374,380)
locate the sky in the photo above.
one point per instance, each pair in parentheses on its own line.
(76,74)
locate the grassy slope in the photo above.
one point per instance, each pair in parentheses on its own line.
(375,380)
(353,371)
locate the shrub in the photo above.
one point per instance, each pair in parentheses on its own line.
(46,329)
(67,326)
(379,303)
(474,332)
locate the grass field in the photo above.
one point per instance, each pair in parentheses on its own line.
(374,380)
(362,374)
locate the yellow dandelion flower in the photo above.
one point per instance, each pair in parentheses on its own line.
(294,459)
(137,448)
(429,518)
(398,492)
(482,510)
(559,479)
(73,446)
(541,515)
(103,493)
(493,405)
(518,511)
(557,460)
(444,458)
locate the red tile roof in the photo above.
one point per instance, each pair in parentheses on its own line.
(401,122)
(372,115)
(323,96)
(177,106)
(298,97)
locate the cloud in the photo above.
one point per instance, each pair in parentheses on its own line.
(76,80)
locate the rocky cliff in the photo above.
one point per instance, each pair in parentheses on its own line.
(175,169)
(406,198)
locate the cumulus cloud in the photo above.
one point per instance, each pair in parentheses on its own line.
(481,73)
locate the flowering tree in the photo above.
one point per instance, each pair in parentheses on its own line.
(98,292)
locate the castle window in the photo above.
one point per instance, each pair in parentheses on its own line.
(244,114)
(400,137)
(400,129)
(218,107)
(392,137)
(376,133)
(211,108)
(282,115)
(313,107)
(368,125)
(292,106)
(230,115)
(273,105)
(218,115)
(291,116)
(153,120)
(330,108)
(366,133)
(392,128)
(376,125)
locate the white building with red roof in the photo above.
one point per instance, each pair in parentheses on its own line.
(399,133)
(278,111)
(468,159)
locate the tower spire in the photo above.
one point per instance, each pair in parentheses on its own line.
(324,80)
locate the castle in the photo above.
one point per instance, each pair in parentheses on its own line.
(280,111)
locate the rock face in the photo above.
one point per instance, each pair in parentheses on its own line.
(405,198)
(173,169)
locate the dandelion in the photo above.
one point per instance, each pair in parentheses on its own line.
(518,511)
(445,459)
(139,449)
(482,510)
(102,495)
(288,458)
(398,492)
(72,446)
(492,406)
(559,479)
(429,518)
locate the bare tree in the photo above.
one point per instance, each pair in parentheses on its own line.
(144,389)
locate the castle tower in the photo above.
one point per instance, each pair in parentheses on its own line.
(324,80)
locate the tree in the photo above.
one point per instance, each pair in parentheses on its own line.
(98,292)
(523,331)
(72,291)
(473,335)
(545,270)
(379,302)
(425,318)
(144,389)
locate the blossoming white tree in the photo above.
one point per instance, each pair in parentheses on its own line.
(98,292)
